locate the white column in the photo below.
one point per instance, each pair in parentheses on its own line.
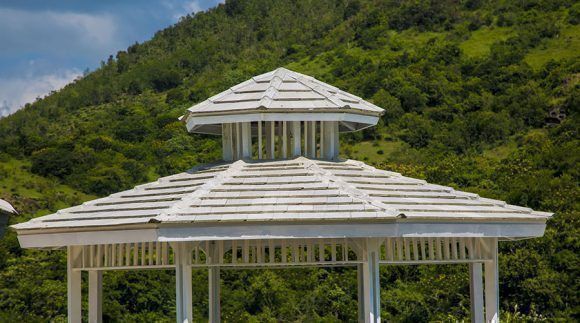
(297,141)
(476,292)
(360,293)
(312,139)
(214,283)
(284,140)
(246,140)
(260,154)
(227,143)
(330,140)
(95,296)
(73,284)
(270,140)
(369,283)
(183,300)
(492,283)
(214,295)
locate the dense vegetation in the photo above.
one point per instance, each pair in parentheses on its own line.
(470,87)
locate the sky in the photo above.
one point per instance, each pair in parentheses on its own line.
(45,44)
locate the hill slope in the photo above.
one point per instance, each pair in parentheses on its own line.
(468,88)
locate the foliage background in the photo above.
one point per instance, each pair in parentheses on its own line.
(471,89)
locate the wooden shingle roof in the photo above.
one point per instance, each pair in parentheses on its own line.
(282,92)
(300,189)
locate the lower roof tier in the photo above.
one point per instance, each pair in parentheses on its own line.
(297,190)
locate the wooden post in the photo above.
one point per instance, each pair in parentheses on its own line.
(260,140)
(227,144)
(183,301)
(476,292)
(214,284)
(330,140)
(369,283)
(312,139)
(74,296)
(360,293)
(246,140)
(284,140)
(270,139)
(492,283)
(297,141)
(95,296)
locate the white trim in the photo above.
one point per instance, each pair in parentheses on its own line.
(314,229)
(195,121)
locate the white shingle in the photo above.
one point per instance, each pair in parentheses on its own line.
(287,195)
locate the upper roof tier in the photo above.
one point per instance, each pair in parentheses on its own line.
(282,95)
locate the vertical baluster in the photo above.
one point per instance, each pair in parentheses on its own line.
(389,249)
(333,250)
(246,251)
(399,243)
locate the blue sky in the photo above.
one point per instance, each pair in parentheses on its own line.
(44,44)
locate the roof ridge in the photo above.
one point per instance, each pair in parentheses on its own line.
(191,198)
(272,91)
(352,191)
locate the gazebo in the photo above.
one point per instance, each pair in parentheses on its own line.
(281,197)
(6,209)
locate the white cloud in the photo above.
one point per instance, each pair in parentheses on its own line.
(16,92)
(181,8)
(57,32)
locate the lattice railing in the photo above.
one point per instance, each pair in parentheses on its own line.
(291,252)
(432,250)
(296,252)
(127,255)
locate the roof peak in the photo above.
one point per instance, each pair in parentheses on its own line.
(284,95)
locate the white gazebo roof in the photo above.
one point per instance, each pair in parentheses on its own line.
(297,190)
(282,95)
(5,207)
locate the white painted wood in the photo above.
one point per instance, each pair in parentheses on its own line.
(95,296)
(360,293)
(296,138)
(330,138)
(227,144)
(476,292)
(183,302)
(246,140)
(312,139)
(74,309)
(370,282)
(260,146)
(270,140)
(237,135)
(306,137)
(284,140)
(214,287)
(492,283)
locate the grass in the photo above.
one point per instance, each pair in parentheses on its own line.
(370,151)
(565,46)
(479,44)
(34,195)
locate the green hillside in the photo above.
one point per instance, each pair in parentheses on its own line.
(468,87)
